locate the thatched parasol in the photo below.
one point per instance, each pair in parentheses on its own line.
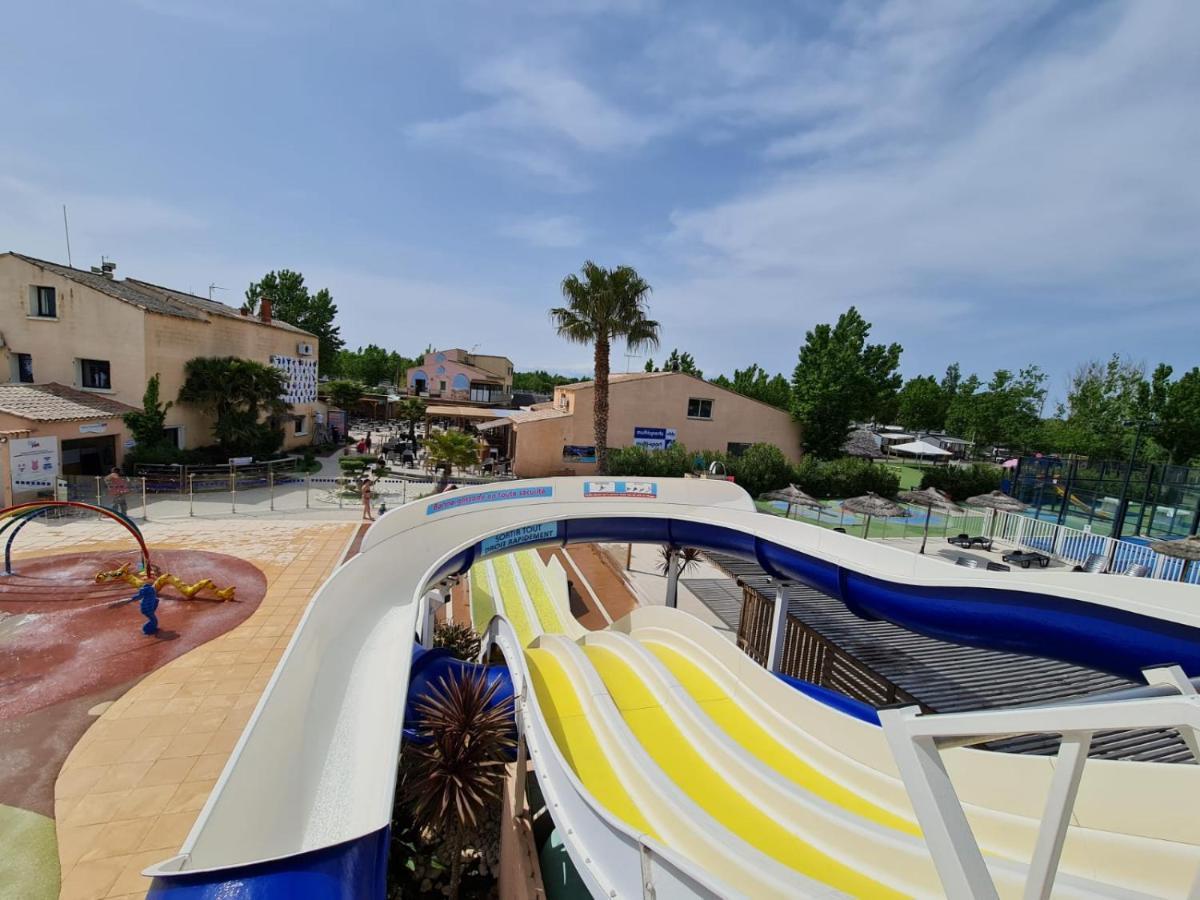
(862,443)
(1187,549)
(930,498)
(793,496)
(871,505)
(997,500)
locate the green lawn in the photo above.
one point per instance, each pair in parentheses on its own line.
(910,476)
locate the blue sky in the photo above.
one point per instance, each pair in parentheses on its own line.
(997,183)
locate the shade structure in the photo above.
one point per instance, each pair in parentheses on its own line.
(1187,549)
(1010,463)
(870,505)
(931,498)
(997,500)
(920,448)
(793,496)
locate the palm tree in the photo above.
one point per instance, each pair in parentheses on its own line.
(686,558)
(452,448)
(603,306)
(238,392)
(411,410)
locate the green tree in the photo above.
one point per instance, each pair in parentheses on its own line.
(1102,397)
(1006,412)
(681,362)
(344,394)
(238,393)
(922,404)
(603,306)
(840,378)
(411,410)
(762,468)
(147,424)
(1176,407)
(291,302)
(453,448)
(539,381)
(754,382)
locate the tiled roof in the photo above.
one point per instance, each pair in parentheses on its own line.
(525,415)
(618,377)
(57,403)
(151,297)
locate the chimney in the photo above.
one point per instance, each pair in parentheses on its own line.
(264,310)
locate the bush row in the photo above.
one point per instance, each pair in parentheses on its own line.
(961,483)
(761,468)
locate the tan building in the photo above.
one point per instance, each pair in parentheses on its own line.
(105,337)
(48,430)
(652,409)
(462,376)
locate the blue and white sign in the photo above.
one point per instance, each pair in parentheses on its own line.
(518,537)
(457,500)
(653,438)
(645,490)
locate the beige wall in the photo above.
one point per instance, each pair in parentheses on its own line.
(659,402)
(64,431)
(171,342)
(90,325)
(137,344)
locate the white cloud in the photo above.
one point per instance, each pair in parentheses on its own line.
(546,231)
(1066,193)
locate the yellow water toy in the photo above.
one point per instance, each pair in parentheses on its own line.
(189,591)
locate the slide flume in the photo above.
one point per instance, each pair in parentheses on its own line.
(781,794)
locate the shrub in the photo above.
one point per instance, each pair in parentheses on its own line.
(459,639)
(760,468)
(846,477)
(961,483)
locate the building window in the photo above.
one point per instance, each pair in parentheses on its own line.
(442,386)
(44,303)
(300,425)
(94,373)
(735,449)
(174,435)
(25,368)
(699,409)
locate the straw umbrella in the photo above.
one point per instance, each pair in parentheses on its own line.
(870,505)
(998,501)
(793,496)
(930,498)
(1187,549)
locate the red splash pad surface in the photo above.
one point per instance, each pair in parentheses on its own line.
(69,637)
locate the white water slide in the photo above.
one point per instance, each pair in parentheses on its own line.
(671,763)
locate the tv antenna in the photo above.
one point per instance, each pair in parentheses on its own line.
(629,357)
(214,287)
(67,231)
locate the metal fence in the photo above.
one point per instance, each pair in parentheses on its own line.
(1073,545)
(221,493)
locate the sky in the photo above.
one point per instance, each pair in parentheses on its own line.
(993,183)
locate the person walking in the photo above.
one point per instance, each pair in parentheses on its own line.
(365,493)
(118,490)
(368,442)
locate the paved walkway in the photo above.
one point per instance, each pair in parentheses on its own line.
(131,788)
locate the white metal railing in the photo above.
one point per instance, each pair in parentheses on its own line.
(1073,545)
(917,742)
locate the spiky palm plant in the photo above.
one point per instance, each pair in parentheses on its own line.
(687,557)
(459,772)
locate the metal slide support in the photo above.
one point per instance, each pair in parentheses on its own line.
(778,628)
(672,578)
(1068,770)
(947,832)
(431,601)
(648,892)
(1175,677)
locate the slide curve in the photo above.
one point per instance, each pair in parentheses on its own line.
(809,806)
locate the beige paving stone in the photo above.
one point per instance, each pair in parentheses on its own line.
(132,787)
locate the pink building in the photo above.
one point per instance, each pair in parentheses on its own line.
(459,375)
